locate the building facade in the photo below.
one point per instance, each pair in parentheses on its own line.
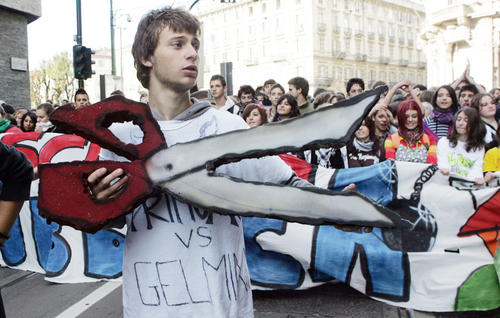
(124,80)
(461,30)
(15,15)
(325,41)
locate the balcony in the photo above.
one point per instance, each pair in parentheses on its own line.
(358,33)
(383,60)
(324,81)
(401,41)
(299,28)
(410,42)
(321,26)
(450,14)
(371,35)
(338,55)
(392,39)
(360,57)
(251,62)
(421,64)
(336,29)
(403,63)
(381,37)
(347,32)
(279,57)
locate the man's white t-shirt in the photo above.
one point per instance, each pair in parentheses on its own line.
(181,261)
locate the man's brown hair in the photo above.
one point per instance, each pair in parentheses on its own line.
(148,35)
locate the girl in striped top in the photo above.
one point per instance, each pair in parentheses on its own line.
(440,123)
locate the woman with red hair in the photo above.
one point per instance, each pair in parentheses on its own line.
(410,143)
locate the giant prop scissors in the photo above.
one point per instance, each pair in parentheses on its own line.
(186,171)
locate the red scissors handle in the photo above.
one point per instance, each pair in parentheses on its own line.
(64,195)
(92,123)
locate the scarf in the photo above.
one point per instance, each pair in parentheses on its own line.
(411,136)
(4,124)
(363,146)
(45,126)
(443,117)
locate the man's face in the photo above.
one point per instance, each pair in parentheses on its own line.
(466,98)
(292,89)
(175,61)
(81,100)
(267,88)
(217,89)
(355,90)
(459,87)
(245,98)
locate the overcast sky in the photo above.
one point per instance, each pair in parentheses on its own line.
(54,31)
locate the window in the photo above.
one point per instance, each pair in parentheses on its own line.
(225,17)
(359,73)
(347,46)
(381,29)
(370,27)
(370,49)
(383,76)
(224,57)
(410,18)
(391,31)
(391,15)
(334,3)
(356,6)
(358,48)
(346,3)
(391,53)
(250,29)
(381,12)
(400,16)
(409,55)
(346,23)
(238,55)
(250,11)
(323,71)
(369,9)
(401,54)
(278,4)
(297,1)
(337,46)
(264,8)
(321,43)
(320,17)
(356,25)
(320,1)
(381,51)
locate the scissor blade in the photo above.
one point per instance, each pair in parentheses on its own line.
(226,195)
(326,127)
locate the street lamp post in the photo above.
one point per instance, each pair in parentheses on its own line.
(112,20)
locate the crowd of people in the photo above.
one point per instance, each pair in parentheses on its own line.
(452,126)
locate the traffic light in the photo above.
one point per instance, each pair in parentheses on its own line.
(82,62)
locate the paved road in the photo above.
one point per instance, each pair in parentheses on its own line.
(27,294)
